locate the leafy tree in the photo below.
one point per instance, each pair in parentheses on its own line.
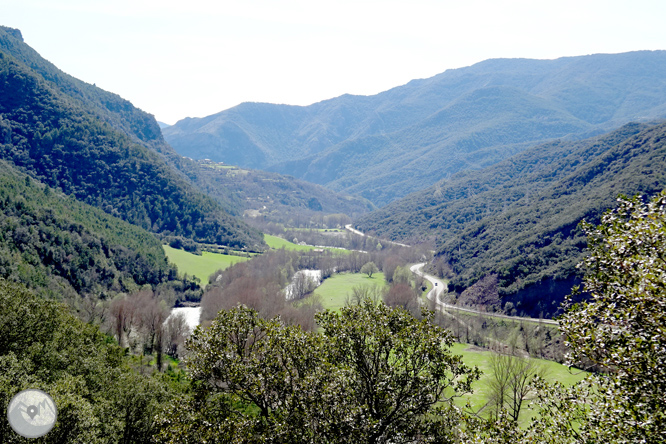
(100,399)
(369,268)
(374,375)
(622,327)
(402,275)
(397,369)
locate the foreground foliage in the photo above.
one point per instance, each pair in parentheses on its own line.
(100,399)
(623,327)
(620,330)
(374,374)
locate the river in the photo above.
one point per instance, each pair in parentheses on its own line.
(192,315)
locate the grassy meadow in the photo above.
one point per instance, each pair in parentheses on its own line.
(200,266)
(481,359)
(334,290)
(277,243)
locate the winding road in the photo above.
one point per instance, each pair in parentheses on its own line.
(360,233)
(438,287)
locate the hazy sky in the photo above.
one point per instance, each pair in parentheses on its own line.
(184,58)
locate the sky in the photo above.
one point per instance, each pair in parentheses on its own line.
(192,58)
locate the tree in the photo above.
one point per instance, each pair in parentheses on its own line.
(369,268)
(176,330)
(362,292)
(372,375)
(509,382)
(276,371)
(622,326)
(99,398)
(301,285)
(390,264)
(403,296)
(402,275)
(397,369)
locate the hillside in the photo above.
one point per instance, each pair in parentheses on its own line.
(63,248)
(98,148)
(274,195)
(385,146)
(515,223)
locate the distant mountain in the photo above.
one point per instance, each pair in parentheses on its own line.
(100,149)
(275,196)
(388,145)
(163,125)
(516,222)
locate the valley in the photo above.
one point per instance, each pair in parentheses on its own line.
(476,256)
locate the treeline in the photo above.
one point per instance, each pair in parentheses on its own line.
(276,223)
(538,340)
(518,220)
(328,235)
(63,142)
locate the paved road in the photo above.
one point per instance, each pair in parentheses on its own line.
(439,287)
(360,233)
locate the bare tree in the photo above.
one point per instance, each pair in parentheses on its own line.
(301,286)
(389,267)
(402,295)
(151,314)
(362,292)
(509,382)
(93,309)
(176,331)
(122,319)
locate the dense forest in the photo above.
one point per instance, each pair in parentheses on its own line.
(69,251)
(516,222)
(62,141)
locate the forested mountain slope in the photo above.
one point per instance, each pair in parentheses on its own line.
(62,248)
(517,220)
(405,139)
(142,128)
(99,148)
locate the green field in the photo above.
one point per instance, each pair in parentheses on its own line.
(277,243)
(424,295)
(200,266)
(334,290)
(475,357)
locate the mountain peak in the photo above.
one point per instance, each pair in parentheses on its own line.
(16,33)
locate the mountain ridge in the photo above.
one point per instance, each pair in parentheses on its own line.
(102,150)
(586,95)
(518,220)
